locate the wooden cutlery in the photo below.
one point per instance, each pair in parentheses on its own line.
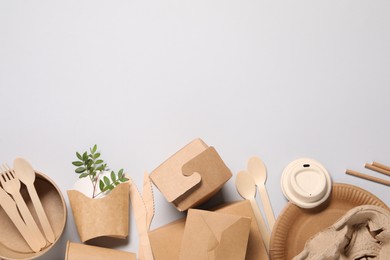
(17,209)
(9,206)
(257,169)
(246,187)
(26,174)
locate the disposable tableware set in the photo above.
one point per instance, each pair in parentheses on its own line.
(317,209)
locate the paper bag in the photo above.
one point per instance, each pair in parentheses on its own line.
(191,176)
(76,251)
(166,240)
(108,216)
(214,236)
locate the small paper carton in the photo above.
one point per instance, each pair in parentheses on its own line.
(214,236)
(107,216)
(166,240)
(75,251)
(191,176)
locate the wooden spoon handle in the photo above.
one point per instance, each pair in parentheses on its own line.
(47,229)
(10,209)
(29,220)
(267,206)
(260,223)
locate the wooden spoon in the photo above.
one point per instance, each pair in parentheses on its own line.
(26,174)
(257,169)
(9,206)
(246,187)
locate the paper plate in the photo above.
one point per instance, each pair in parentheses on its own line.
(295,225)
(12,244)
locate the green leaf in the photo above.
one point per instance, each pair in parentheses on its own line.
(79,156)
(106,180)
(83,175)
(85,156)
(101,185)
(96,155)
(94,149)
(124,179)
(89,163)
(99,161)
(110,187)
(113,176)
(77,163)
(80,170)
(116,183)
(120,173)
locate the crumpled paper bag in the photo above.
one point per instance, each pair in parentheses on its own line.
(363,231)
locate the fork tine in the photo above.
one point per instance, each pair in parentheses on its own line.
(10,173)
(5,173)
(2,178)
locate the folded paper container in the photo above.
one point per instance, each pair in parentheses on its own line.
(107,216)
(214,236)
(173,241)
(191,176)
(75,251)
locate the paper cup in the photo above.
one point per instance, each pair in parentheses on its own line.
(76,251)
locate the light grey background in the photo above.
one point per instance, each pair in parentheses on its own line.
(276,79)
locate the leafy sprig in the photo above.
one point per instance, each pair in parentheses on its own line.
(92,166)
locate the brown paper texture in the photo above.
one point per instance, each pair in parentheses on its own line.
(108,216)
(166,240)
(75,251)
(168,177)
(191,176)
(214,174)
(214,236)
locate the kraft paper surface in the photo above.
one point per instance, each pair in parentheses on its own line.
(214,174)
(214,236)
(166,240)
(75,251)
(168,177)
(108,216)
(191,176)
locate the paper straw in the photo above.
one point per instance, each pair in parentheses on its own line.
(367,177)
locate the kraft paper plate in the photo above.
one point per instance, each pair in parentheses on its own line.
(296,225)
(12,244)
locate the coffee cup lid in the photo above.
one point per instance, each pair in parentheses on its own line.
(306,183)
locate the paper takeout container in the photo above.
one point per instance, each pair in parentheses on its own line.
(107,216)
(75,251)
(166,241)
(12,244)
(191,176)
(214,236)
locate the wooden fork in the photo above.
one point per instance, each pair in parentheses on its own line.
(12,186)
